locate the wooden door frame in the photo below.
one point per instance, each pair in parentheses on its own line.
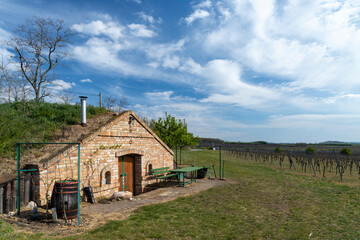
(134,170)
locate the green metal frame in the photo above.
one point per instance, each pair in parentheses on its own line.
(123,174)
(34,170)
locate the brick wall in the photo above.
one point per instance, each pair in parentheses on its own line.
(100,152)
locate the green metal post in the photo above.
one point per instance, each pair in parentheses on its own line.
(220,162)
(176,157)
(123,181)
(180,155)
(223,167)
(18,179)
(79,184)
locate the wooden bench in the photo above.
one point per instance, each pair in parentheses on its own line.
(162,173)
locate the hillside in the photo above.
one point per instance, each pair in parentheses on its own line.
(42,122)
(36,122)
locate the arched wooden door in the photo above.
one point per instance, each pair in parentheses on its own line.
(127,173)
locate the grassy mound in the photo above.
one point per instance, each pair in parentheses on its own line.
(36,122)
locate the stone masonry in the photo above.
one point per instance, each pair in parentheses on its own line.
(100,154)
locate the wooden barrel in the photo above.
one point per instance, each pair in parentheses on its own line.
(65,198)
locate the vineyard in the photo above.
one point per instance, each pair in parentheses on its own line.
(321,164)
(335,162)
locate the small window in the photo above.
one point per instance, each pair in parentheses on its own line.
(150,168)
(108,177)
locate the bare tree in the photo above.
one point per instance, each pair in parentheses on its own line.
(39,45)
(13,85)
(109,102)
(122,103)
(148,121)
(67,97)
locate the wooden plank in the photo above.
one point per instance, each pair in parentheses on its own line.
(13,195)
(7,198)
(32,187)
(1,200)
(27,189)
(22,191)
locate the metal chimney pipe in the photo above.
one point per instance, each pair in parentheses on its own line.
(83,110)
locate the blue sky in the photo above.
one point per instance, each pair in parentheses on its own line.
(241,70)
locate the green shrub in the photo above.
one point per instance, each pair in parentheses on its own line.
(277,150)
(310,150)
(345,151)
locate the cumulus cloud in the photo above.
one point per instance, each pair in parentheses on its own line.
(60,85)
(140,30)
(149,18)
(171,62)
(103,54)
(309,44)
(111,29)
(204,4)
(159,96)
(225,85)
(197,14)
(87,80)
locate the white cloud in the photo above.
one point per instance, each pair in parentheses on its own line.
(309,44)
(197,14)
(149,18)
(160,51)
(87,80)
(204,4)
(103,55)
(223,81)
(140,30)
(111,29)
(137,1)
(60,85)
(171,62)
(159,96)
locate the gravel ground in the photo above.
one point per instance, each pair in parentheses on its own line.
(95,215)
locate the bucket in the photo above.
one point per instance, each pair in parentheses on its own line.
(65,198)
(202,173)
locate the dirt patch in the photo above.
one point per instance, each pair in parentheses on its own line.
(96,215)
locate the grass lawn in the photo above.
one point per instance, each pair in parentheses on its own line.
(263,203)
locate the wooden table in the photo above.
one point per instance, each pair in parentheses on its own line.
(181,172)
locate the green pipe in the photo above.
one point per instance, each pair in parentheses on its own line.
(18,179)
(223,167)
(32,170)
(78,183)
(35,143)
(123,182)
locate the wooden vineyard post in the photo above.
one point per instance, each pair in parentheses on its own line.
(291,161)
(338,165)
(310,161)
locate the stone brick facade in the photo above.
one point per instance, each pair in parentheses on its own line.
(100,156)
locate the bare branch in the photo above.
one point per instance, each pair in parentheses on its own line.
(39,45)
